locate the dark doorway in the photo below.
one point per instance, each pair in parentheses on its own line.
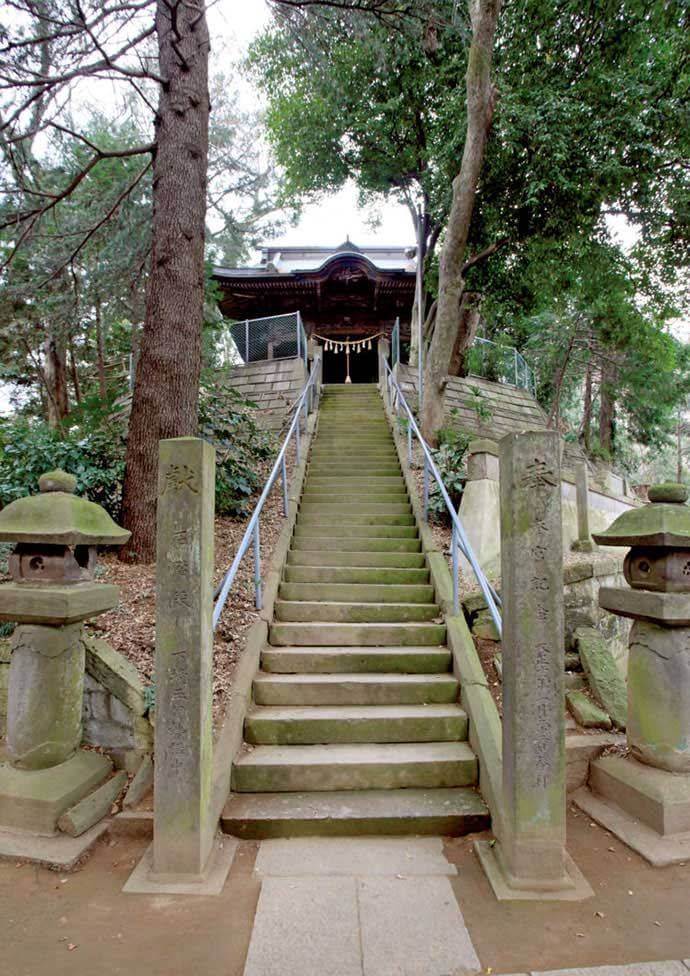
(363,365)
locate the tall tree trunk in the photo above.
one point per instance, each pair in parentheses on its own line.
(480,106)
(585,433)
(679,447)
(75,372)
(55,372)
(100,351)
(166,388)
(607,407)
(469,323)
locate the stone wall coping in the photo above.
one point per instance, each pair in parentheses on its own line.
(117,675)
(483,445)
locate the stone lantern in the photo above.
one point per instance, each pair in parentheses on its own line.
(53,591)
(645,797)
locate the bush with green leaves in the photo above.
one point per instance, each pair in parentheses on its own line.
(241,447)
(88,446)
(449,456)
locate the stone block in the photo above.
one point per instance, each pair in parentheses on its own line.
(141,784)
(112,670)
(120,713)
(93,808)
(659,799)
(605,680)
(56,605)
(484,627)
(34,800)
(586,713)
(671,609)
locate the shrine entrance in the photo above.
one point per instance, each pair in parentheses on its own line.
(355,359)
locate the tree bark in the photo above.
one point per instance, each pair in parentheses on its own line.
(480,106)
(585,434)
(166,388)
(100,351)
(55,373)
(469,323)
(76,385)
(607,407)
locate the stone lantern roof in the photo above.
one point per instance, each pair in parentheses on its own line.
(57,516)
(663,522)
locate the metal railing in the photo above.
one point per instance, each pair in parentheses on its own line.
(459,540)
(271,337)
(504,364)
(304,405)
(395,343)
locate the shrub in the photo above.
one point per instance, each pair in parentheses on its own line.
(90,449)
(241,447)
(449,456)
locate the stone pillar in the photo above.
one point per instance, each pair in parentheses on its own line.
(183,835)
(584,542)
(529,858)
(384,348)
(480,507)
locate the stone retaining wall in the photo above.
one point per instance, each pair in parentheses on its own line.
(273,384)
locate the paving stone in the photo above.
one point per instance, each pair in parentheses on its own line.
(307,927)
(671,968)
(587,714)
(605,679)
(353,856)
(413,927)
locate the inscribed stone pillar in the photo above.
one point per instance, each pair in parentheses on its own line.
(532,851)
(183,833)
(584,542)
(384,349)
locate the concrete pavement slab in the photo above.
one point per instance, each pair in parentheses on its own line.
(306,926)
(353,857)
(413,927)
(670,968)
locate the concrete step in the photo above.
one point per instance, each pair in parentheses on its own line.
(320,497)
(368,660)
(410,634)
(320,529)
(355,574)
(357,518)
(271,725)
(371,544)
(380,560)
(345,470)
(446,812)
(355,482)
(354,689)
(357,592)
(312,611)
(369,508)
(391,766)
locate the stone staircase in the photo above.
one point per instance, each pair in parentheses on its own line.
(355,725)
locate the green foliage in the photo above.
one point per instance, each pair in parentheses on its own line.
(92,450)
(478,403)
(241,445)
(449,457)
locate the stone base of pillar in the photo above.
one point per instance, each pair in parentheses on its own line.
(575,886)
(33,800)
(584,545)
(647,808)
(143,881)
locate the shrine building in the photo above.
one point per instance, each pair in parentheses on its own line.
(347,297)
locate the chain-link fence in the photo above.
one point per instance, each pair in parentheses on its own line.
(271,337)
(502,364)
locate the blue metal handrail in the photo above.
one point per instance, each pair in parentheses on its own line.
(307,401)
(459,540)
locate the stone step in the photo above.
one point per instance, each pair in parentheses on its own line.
(336,441)
(355,482)
(329,634)
(367,508)
(322,497)
(443,812)
(320,529)
(311,611)
(357,592)
(380,560)
(355,574)
(371,544)
(357,518)
(366,660)
(273,725)
(390,766)
(345,470)
(354,689)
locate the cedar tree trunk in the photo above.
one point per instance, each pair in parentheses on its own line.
(469,323)
(480,106)
(607,407)
(166,388)
(55,373)
(100,352)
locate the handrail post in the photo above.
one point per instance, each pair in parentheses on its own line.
(258,601)
(285,486)
(426,488)
(456,568)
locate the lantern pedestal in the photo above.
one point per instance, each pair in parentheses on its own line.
(644,798)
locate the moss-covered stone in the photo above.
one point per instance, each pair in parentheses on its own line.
(669,491)
(605,679)
(585,712)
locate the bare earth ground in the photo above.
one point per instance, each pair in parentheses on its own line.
(82,923)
